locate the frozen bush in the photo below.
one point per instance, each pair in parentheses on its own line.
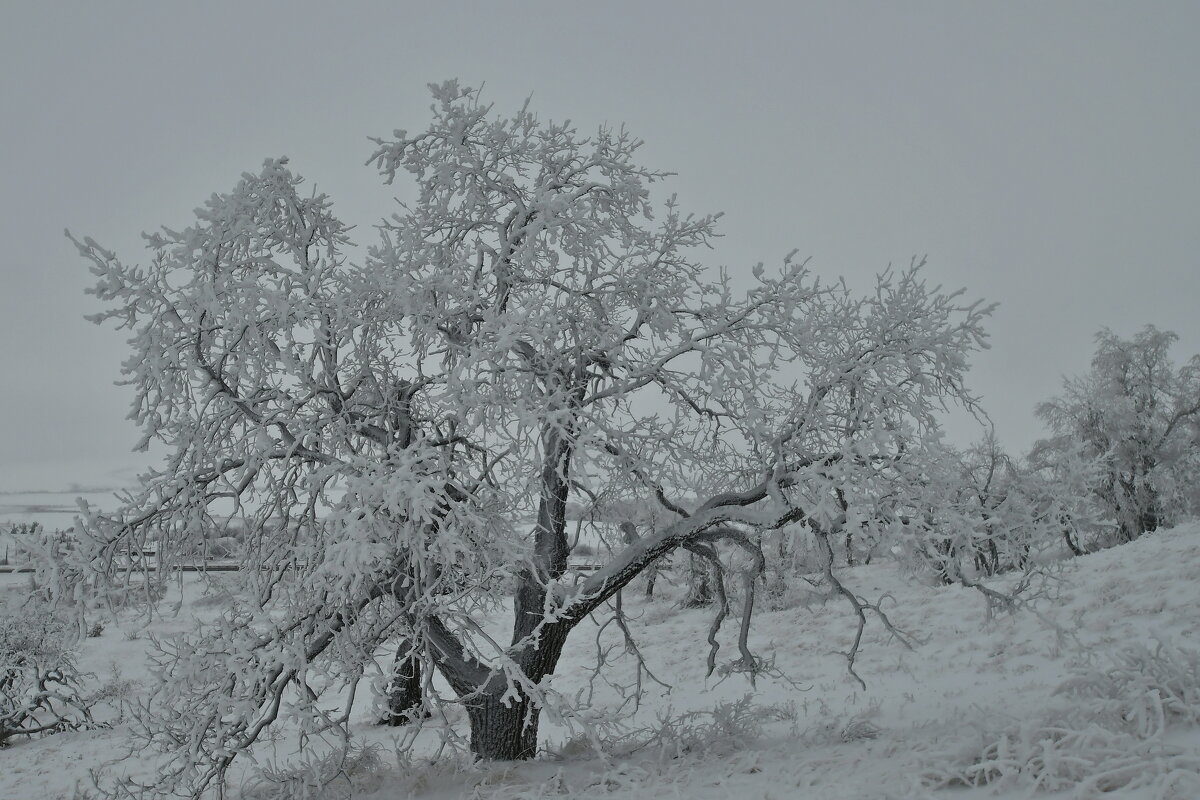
(1141,692)
(728,727)
(39,682)
(1109,737)
(335,776)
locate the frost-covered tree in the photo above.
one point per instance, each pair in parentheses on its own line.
(39,680)
(968,515)
(403,430)
(1062,477)
(1006,511)
(1140,417)
(990,492)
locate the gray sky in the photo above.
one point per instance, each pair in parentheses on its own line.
(1043,155)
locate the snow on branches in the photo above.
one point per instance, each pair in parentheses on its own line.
(401,430)
(1137,418)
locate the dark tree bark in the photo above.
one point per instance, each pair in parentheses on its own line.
(502,732)
(404,697)
(943,559)
(845,506)
(504,728)
(550,546)
(1068,535)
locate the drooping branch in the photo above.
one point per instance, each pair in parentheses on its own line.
(860,606)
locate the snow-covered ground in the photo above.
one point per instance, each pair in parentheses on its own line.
(1096,692)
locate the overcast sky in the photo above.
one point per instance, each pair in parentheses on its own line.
(1042,155)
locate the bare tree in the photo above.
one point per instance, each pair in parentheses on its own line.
(403,431)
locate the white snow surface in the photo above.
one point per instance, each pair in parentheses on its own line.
(927,716)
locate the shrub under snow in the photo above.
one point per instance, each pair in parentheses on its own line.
(1111,735)
(39,682)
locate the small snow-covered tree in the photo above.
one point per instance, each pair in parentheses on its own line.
(1062,477)
(1140,417)
(984,509)
(403,431)
(39,680)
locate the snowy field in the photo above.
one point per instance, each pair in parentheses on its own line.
(1095,693)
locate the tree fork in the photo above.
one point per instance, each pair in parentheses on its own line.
(504,720)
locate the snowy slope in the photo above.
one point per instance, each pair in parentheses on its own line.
(974,700)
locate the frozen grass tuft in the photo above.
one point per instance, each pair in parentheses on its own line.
(728,727)
(1142,691)
(335,776)
(1111,736)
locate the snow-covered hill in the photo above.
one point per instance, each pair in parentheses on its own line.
(1095,690)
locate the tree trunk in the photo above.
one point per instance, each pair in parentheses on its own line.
(943,560)
(404,701)
(1149,517)
(550,548)
(503,733)
(845,522)
(1070,540)
(1149,504)
(992,559)
(509,732)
